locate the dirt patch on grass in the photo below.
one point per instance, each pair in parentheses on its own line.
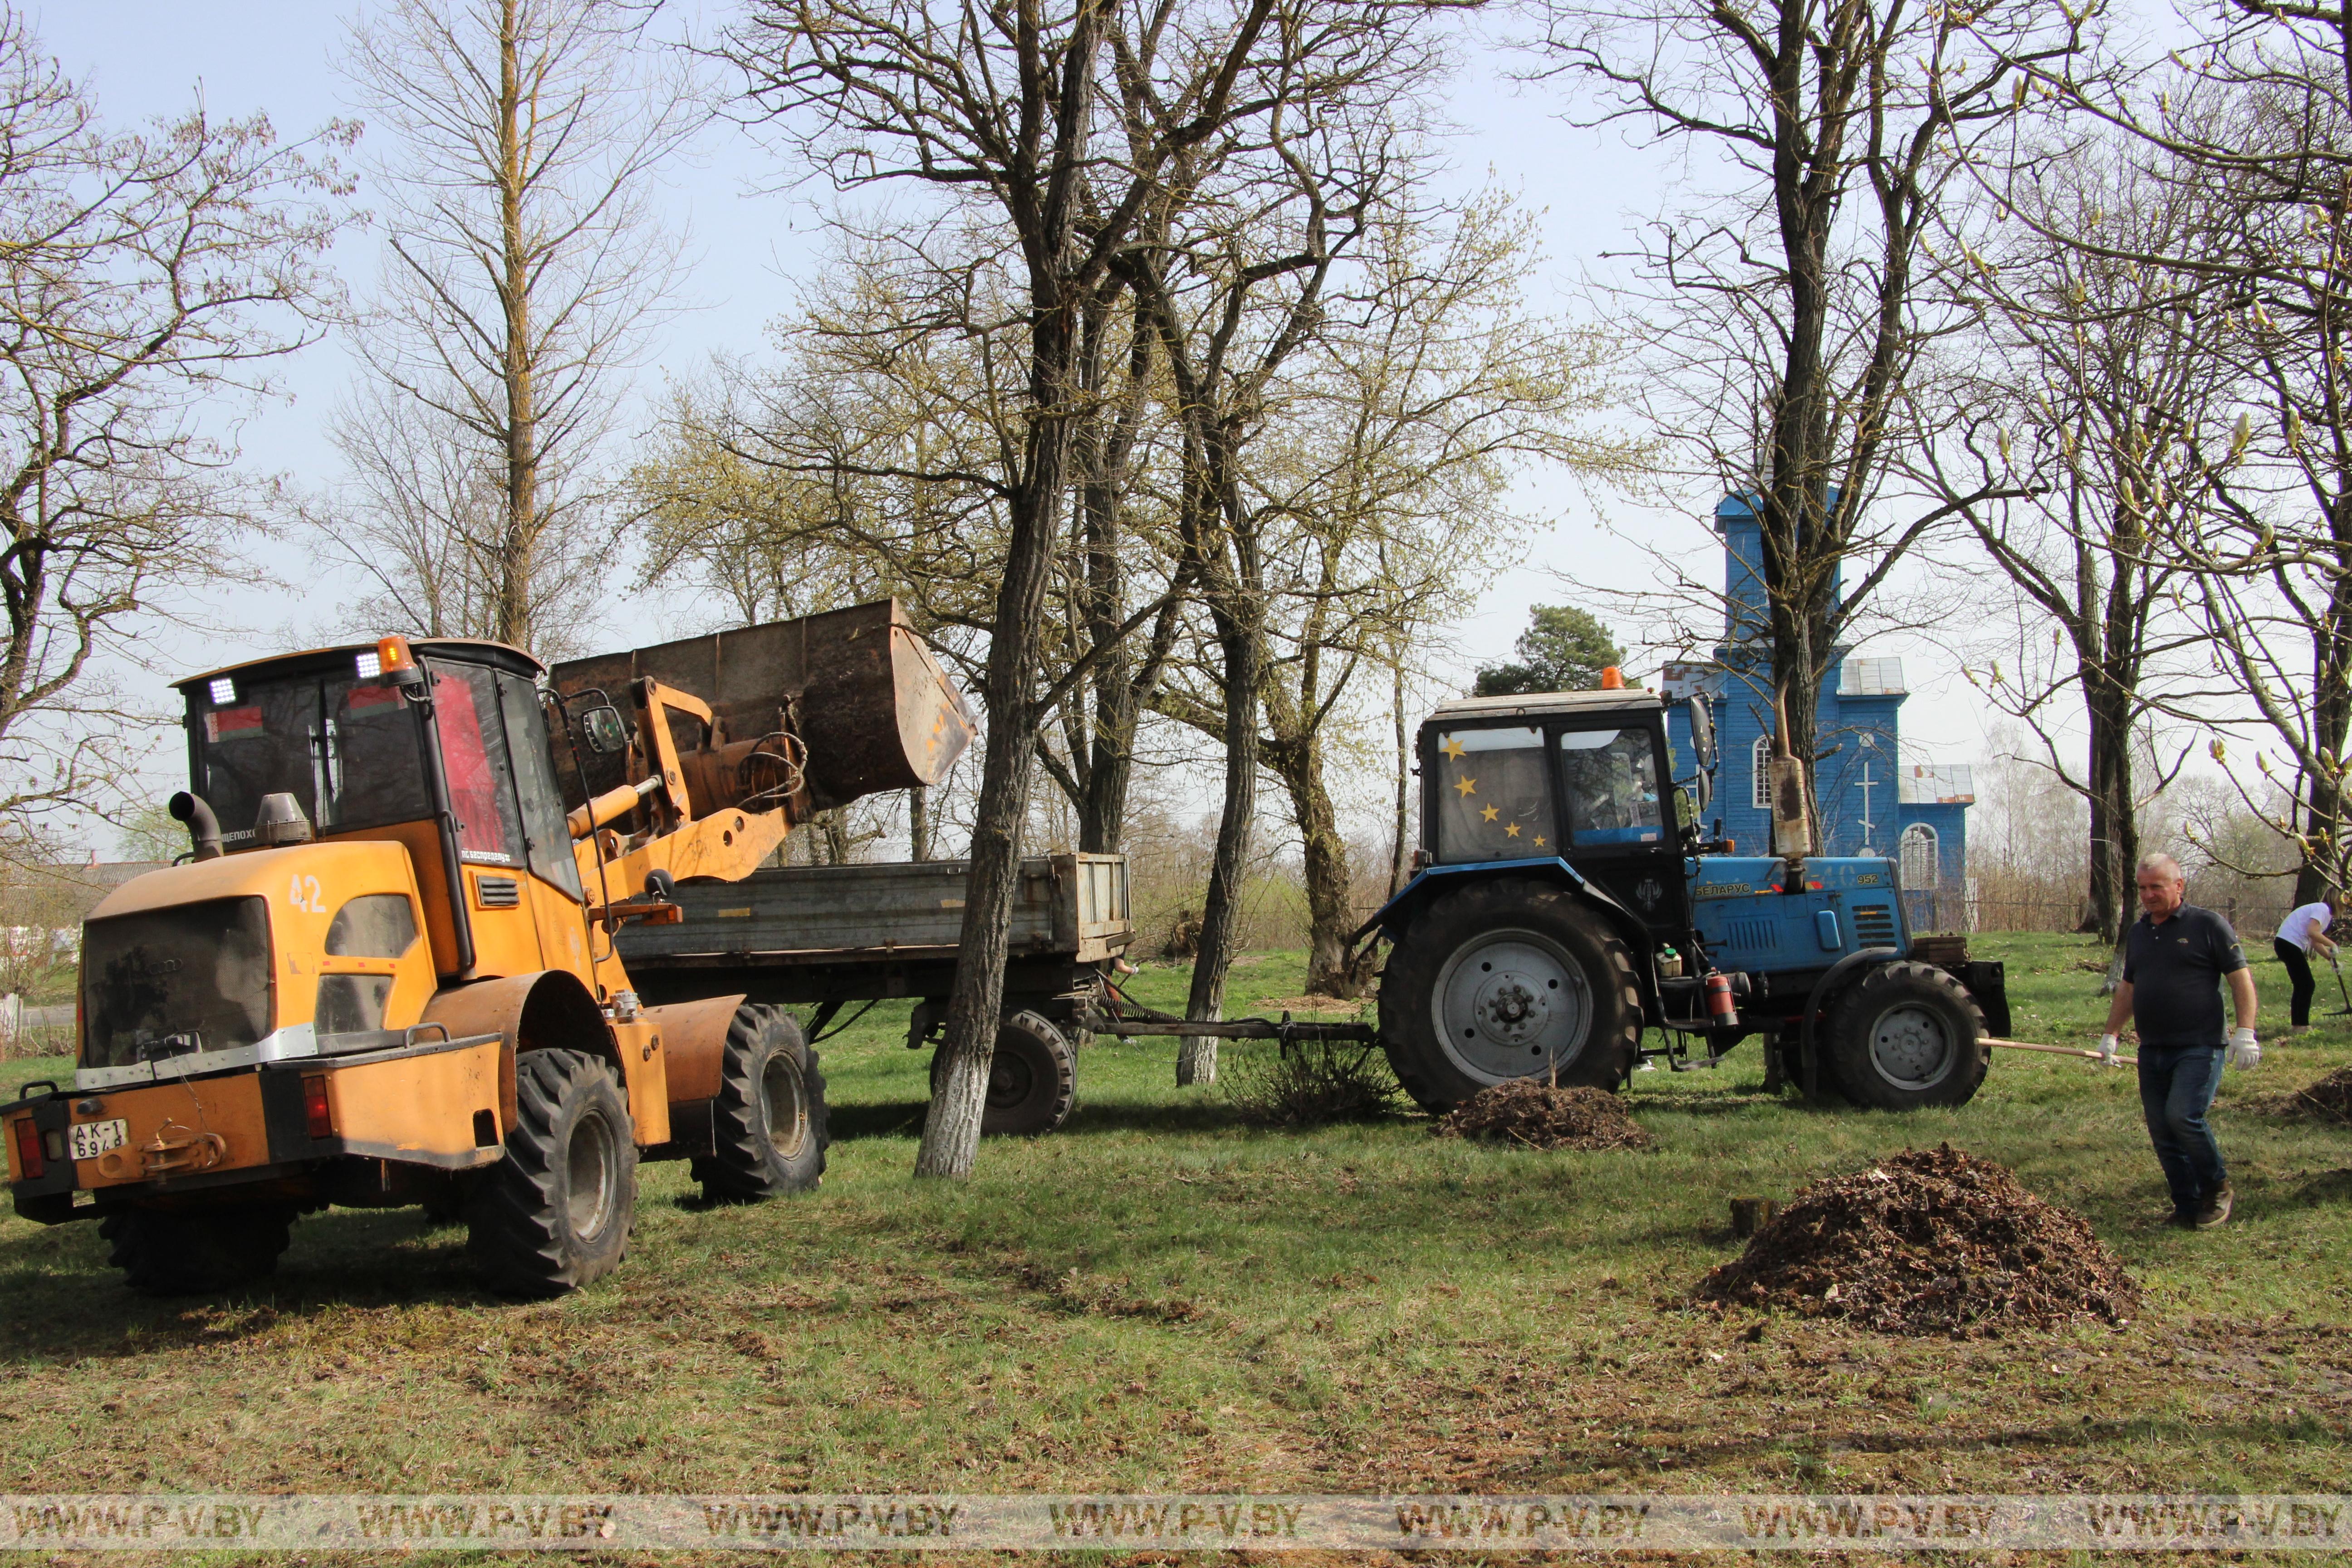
(1931,1241)
(2329,1099)
(1541,1116)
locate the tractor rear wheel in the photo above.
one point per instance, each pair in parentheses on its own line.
(1507,980)
(768,1120)
(1033,1078)
(1908,1035)
(555,1213)
(187,1252)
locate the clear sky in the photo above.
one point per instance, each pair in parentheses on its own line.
(151,58)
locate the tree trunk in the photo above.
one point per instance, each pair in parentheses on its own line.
(2321,875)
(512,608)
(1324,858)
(919,823)
(1238,636)
(2115,830)
(1399,845)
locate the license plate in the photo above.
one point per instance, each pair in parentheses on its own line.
(92,1138)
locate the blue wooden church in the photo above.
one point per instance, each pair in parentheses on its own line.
(1873,800)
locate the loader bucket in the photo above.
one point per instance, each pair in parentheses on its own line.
(858,687)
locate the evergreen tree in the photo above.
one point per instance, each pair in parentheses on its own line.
(1563,649)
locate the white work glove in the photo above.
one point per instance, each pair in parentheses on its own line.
(2243,1051)
(2107,1044)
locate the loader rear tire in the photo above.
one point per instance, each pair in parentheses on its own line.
(1033,1078)
(768,1120)
(188,1252)
(1908,1035)
(555,1214)
(1506,980)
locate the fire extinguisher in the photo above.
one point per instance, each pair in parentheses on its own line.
(1721,1013)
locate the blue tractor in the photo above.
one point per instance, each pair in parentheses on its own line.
(1567,905)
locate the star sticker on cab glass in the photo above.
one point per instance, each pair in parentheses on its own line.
(1539,840)
(1467,787)
(1490,813)
(1453,748)
(1511,830)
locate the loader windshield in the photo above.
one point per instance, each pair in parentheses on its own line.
(350,750)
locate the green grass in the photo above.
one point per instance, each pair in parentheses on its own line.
(1161,1296)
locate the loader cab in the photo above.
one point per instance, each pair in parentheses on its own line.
(1582,776)
(441,745)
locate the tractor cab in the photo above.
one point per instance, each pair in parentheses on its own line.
(1580,776)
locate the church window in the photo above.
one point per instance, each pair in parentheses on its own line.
(1762,798)
(1921,868)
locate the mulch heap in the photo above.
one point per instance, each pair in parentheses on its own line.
(1538,1116)
(1932,1241)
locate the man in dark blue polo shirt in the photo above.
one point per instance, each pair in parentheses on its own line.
(2175,958)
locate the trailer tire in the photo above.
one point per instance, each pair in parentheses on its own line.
(555,1214)
(1502,971)
(769,1121)
(1908,1035)
(1033,1078)
(188,1252)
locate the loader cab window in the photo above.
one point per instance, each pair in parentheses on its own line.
(547,837)
(474,761)
(1609,782)
(1493,800)
(348,751)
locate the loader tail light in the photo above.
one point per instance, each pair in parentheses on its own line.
(29,1161)
(318,1116)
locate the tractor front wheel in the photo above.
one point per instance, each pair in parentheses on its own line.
(1908,1035)
(1506,980)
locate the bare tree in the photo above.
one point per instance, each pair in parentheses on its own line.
(2094,388)
(2258,116)
(525,260)
(1784,318)
(149,276)
(1017,113)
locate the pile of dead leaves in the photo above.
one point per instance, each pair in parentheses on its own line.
(2330,1098)
(1931,1241)
(1538,1116)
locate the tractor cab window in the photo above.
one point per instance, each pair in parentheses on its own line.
(1493,803)
(475,761)
(347,750)
(547,837)
(1609,780)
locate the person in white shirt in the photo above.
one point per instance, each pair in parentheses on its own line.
(2302,933)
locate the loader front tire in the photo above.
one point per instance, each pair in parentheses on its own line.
(555,1214)
(768,1120)
(189,1252)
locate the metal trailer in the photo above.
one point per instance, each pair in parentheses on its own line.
(825,936)
(822,938)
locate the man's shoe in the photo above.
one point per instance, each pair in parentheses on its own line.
(2215,1208)
(2182,1219)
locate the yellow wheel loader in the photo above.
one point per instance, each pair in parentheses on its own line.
(386,974)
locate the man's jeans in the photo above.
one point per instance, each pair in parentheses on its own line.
(2175,1086)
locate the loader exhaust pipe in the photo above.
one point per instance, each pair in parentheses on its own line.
(203,827)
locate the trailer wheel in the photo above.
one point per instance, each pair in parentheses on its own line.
(769,1119)
(1032,1078)
(1508,980)
(187,1252)
(1907,1036)
(555,1213)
